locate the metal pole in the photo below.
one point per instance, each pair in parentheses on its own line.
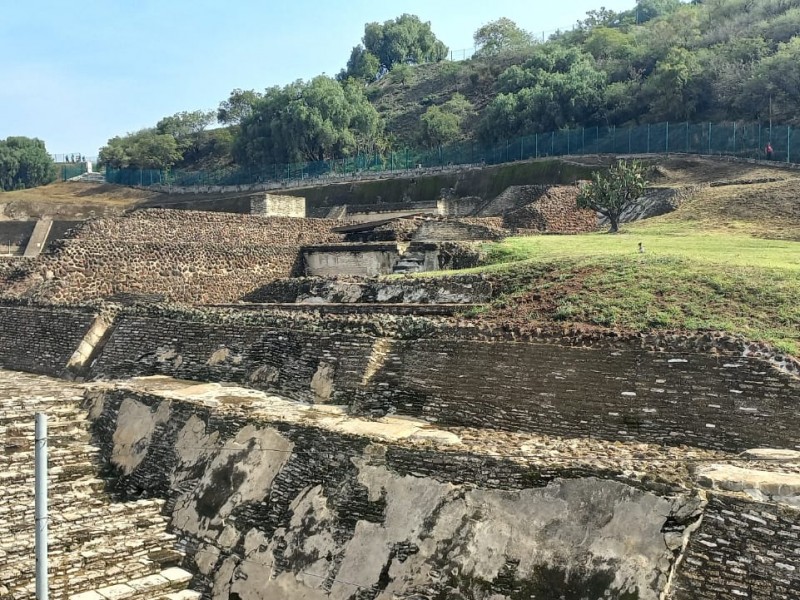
(734,138)
(40,459)
(788,143)
(667,137)
(709,137)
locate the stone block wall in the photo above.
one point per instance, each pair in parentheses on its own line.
(40,340)
(274,205)
(553,211)
(464,289)
(458,207)
(186,256)
(708,401)
(743,549)
(271,504)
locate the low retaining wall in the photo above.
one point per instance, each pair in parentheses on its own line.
(743,549)
(270,505)
(709,401)
(41,340)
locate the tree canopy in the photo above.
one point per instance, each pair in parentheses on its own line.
(500,36)
(612,192)
(237,107)
(405,39)
(310,121)
(442,124)
(24,163)
(144,149)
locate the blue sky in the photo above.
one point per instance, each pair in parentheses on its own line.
(78,73)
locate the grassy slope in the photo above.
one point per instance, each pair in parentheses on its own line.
(714,264)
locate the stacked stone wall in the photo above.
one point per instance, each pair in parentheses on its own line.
(269,505)
(554,211)
(202,273)
(463,289)
(709,401)
(185,256)
(743,549)
(40,340)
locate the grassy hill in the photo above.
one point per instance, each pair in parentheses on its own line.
(727,260)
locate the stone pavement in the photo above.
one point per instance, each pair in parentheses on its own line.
(99,549)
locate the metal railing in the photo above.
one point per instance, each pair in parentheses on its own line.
(743,140)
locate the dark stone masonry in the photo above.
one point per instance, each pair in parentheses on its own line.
(708,401)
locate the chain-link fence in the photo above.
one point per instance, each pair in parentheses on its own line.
(743,140)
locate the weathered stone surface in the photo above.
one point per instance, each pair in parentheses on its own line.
(703,400)
(760,485)
(99,548)
(41,341)
(344,511)
(743,549)
(197,257)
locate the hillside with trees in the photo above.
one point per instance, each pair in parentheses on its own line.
(662,60)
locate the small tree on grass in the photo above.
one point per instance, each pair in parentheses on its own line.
(612,192)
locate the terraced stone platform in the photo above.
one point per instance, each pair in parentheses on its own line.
(99,548)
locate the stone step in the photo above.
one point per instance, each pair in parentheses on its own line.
(169,583)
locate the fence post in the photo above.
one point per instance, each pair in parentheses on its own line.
(667,137)
(709,137)
(630,131)
(788,143)
(648,138)
(537,145)
(583,140)
(687,137)
(521,147)
(568,140)
(734,138)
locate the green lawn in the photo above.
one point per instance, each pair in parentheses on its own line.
(692,281)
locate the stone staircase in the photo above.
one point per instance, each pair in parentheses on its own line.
(99,549)
(410,262)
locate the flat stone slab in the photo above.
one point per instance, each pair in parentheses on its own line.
(116,592)
(176,575)
(87,596)
(330,417)
(151,582)
(759,485)
(772,454)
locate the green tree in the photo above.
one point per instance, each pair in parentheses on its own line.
(443,124)
(362,65)
(402,74)
(184,125)
(237,107)
(310,121)
(24,163)
(611,193)
(144,149)
(500,36)
(405,39)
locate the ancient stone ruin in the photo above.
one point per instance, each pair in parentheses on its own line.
(225,426)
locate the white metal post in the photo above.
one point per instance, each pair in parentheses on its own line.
(40,458)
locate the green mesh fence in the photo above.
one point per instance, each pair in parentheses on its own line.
(69,170)
(743,140)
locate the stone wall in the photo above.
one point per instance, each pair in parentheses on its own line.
(40,340)
(465,289)
(709,401)
(554,210)
(178,255)
(272,501)
(274,205)
(458,207)
(743,549)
